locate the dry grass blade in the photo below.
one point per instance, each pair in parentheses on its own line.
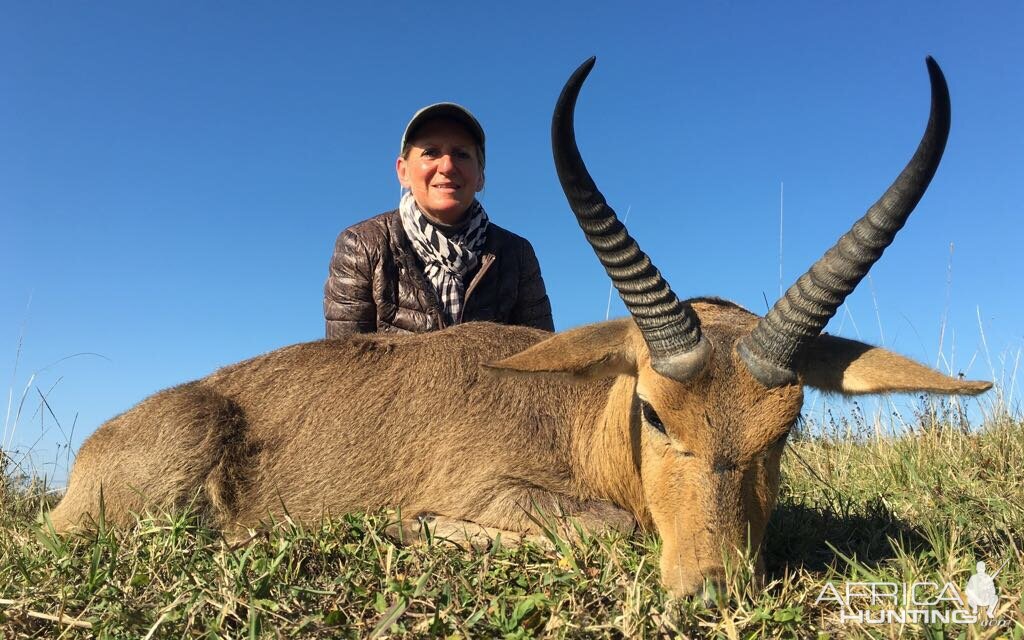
(65,620)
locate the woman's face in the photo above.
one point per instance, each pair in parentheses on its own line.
(442,169)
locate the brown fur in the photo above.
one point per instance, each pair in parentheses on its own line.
(485,427)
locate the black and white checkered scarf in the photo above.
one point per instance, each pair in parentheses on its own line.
(446,259)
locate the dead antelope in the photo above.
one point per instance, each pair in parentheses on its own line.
(674,419)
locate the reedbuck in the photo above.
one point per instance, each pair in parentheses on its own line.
(673,419)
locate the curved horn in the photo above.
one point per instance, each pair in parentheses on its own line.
(670,327)
(771,351)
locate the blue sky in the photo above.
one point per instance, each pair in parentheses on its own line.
(173,175)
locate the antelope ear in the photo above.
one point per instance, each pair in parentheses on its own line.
(585,353)
(850,367)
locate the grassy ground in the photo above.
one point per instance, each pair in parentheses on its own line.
(924,507)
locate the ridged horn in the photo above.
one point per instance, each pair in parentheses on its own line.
(773,349)
(670,327)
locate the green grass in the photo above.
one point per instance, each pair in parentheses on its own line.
(926,506)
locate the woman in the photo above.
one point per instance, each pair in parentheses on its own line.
(437,260)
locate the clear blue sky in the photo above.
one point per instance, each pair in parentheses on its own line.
(173,175)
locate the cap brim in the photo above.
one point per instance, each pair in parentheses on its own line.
(447,111)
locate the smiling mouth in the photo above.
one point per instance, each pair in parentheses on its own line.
(447,186)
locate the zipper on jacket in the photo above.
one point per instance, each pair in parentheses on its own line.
(485,264)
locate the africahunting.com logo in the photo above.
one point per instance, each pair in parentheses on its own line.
(925,602)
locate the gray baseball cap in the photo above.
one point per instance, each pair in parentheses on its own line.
(449,111)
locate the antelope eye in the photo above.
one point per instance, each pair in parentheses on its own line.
(651,416)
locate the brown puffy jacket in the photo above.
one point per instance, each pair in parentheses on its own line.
(376,283)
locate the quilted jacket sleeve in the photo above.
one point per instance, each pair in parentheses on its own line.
(533,309)
(349,305)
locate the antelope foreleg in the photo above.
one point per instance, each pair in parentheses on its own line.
(534,516)
(464,534)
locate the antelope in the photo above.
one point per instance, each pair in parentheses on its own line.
(673,419)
